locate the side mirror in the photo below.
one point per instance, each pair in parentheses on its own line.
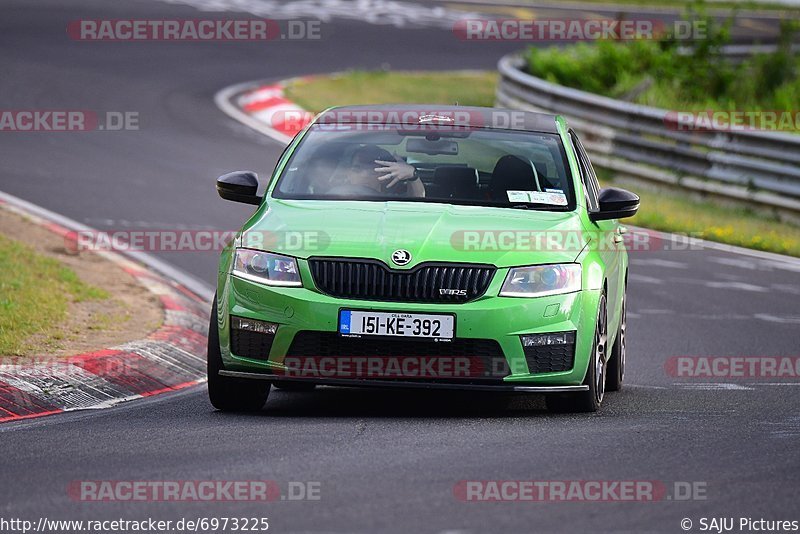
(615,203)
(239,186)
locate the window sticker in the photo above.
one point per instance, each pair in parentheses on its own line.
(538,197)
(517,196)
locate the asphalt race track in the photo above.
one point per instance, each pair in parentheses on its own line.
(385,460)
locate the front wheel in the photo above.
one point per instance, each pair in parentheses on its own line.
(226,393)
(590,400)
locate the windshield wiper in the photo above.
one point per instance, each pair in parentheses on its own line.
(537,207)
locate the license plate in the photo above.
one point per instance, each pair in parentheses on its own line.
(396,324)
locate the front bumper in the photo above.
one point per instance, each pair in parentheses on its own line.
(501,319)
(410,384)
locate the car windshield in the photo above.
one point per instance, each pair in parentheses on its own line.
(371,162)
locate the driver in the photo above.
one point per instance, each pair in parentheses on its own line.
(392,176)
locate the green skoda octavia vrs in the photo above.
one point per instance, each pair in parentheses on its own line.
(424,247)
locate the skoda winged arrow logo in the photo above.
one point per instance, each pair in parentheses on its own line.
(401,257)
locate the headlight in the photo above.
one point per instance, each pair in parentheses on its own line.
(266,268)
(542,280)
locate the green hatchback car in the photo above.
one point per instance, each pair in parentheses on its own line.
(424,247)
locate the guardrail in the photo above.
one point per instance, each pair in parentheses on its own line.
(645,143)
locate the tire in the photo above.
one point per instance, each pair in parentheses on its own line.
(225,393)
(590,400)
(616,361)
(293,386)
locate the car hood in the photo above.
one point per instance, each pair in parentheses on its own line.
(502,237)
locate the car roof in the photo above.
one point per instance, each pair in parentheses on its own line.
(466,116)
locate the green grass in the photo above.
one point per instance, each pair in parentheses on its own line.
(360,87)
(670,212)
(35,293)
(675,212)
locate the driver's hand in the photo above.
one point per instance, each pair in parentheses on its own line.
(394,172)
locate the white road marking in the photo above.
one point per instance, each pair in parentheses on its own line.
(749,264)
(719,316)
(729,277)
(712,386)
(786,288)
(756,264)
(727,386)
(788,428)
(656,262)
(379,12)
(777,319)
(719,284)
(792,319)
(742,286)
(783,266)
(644,279)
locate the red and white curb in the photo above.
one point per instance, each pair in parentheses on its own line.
(264,107)
(169,359)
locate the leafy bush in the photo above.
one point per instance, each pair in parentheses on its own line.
(666,74)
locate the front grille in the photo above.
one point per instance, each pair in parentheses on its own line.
(248,344)
(484,358)
(550,358)
(373,280)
